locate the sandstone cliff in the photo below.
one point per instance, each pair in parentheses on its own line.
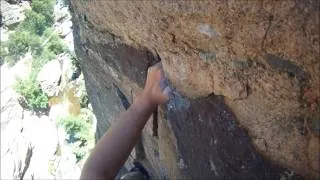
(246,75)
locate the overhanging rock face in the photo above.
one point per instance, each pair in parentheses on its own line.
(246,76)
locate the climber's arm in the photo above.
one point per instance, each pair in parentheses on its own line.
(115,146)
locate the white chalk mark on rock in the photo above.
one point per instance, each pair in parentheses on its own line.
(213,167)
(207,30)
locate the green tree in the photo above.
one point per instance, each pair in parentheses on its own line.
(34,23)
(78,129)
(56,45)
(19,43)
(28,35)
(45,8)
(32,34)
(33,94)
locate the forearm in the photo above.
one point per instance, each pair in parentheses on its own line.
(115,146)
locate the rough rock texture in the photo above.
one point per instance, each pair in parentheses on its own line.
(12,14)
(49,82)
(24,150)
(262,57)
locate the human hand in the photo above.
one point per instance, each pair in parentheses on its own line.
(156,89)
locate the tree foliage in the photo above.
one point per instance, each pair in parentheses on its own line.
(56,45)
(33,94)
(20,42)
(28,35)
(34,23)
(78,129)
(45,8)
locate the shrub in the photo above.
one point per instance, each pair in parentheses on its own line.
(84,100)
(36,99)
(79,133)
(76,127)
(1,60)
(66,3)
(45,8)
(4,53)
(31,90)
(18,44)
(56,45)
(28,34)
(34,23)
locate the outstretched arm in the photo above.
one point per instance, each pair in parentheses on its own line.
(115,146)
